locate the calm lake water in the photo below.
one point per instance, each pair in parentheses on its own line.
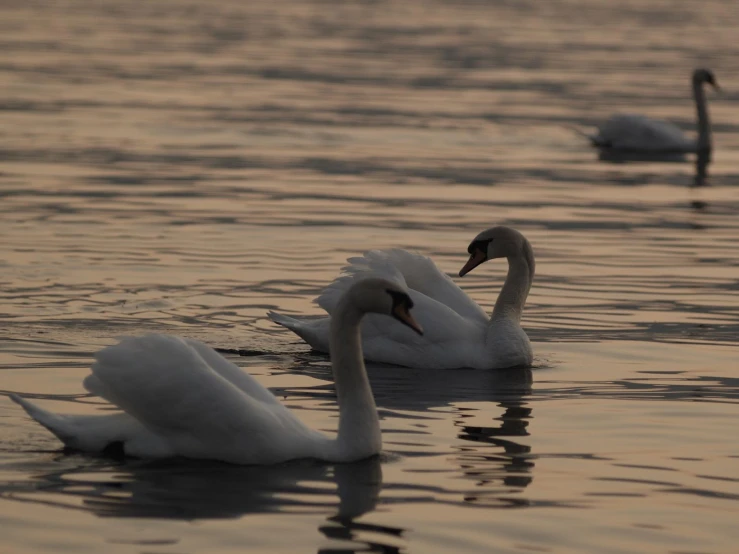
(183,167)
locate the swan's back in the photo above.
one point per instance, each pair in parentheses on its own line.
(200,409)
(411,270)
(637,132)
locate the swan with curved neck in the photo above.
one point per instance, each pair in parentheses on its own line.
(504,338)
(457,331)
(180,397)
(502,242)
(359,427)
(629,132)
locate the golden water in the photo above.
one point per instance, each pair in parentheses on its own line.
(180,166)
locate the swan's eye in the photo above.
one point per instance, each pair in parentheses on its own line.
(400,299)
(481,245)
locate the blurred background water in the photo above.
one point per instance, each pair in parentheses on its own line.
(180,166)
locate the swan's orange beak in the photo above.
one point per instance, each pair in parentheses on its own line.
(476,259)
(401,313)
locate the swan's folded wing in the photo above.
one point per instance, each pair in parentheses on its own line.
(410,269)
(423,275)
(632,131)
(164,383)
(232,372)
(440,323)
(449,340)
(371,264)
(667,134)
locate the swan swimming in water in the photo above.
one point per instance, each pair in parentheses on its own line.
(638,133)
(457,332)
(181,398)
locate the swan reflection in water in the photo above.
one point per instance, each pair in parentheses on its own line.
(701,178)
(701,163)
(489,455)
(190,490)
(500,465)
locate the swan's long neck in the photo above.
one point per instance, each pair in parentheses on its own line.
(704,125)
(512,297)
(359,426)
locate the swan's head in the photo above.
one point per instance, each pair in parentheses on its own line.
(380,296)
(497,242)
(705,76)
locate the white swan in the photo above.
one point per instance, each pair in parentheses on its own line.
(181,398)
(639,133)
(457,332)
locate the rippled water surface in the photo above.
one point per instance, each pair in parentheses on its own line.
(183,167)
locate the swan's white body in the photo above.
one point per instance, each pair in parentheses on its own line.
(457,332)
(638,133)
(180,397)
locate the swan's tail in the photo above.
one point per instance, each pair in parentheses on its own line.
(595,140)
(284,320)
(307,329)
(61,426)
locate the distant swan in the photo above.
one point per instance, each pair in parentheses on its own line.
(639,133)
(181,398)
(457,332)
